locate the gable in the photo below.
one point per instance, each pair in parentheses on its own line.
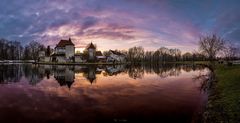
(64,43)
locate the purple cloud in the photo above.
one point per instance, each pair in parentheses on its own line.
(119,24)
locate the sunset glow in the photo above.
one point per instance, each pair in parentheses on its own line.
(119,24)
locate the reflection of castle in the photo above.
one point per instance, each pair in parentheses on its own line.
(90,74)
(65,75)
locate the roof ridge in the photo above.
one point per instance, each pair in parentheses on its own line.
(63,43)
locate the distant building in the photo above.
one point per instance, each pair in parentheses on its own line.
(100,57)
(79,58)
(116,57)
(64,51)
(91,52)
(43,57)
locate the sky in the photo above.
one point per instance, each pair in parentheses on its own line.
(120,24)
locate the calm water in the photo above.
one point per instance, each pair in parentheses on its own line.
(45,93)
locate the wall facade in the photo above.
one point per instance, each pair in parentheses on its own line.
(91,54)
(70,51)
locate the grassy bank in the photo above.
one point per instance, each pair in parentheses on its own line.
(224,102)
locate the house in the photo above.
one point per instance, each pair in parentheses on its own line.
(78,58)
(100,57)
(116,57)
(64,51)
(42,57)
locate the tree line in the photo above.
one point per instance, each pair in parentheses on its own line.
(211,47)
(163,54)
(14,50)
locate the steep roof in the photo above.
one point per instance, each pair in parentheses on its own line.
(116,53)
(91,46)
(99,53)
(64,43)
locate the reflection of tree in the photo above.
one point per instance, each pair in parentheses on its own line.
(136,72)
(213,109)
(164,70)
(10,73)
(65,75)
(33,73)
(14,72)
(207,79)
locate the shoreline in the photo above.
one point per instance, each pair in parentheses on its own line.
(224,96)
(101,63)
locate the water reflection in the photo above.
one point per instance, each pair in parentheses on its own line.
(65,75)
(105,93)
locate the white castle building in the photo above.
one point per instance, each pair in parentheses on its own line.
(64,52)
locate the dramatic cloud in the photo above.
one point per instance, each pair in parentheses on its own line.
(120,24)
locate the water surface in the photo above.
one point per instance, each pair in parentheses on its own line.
(121,93)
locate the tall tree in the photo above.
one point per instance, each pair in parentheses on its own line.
(34,49)
(49,51)
(230,51)
(136,54)
(211,45)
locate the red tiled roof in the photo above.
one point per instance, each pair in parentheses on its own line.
(63,43)
(91,46)
(99,53)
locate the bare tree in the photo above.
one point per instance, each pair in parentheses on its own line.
(230,51)
(34,48)
(187,56)
(136,54)
(48,51)
(211,45)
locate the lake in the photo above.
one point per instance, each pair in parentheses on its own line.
(120,93)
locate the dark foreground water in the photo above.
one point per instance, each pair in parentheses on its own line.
(122,93)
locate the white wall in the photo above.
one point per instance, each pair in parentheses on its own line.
(117,58)
(91,54)
(78,59)
(61,59)
(70,51)
(46,59)
(60,50)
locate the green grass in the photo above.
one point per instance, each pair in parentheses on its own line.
(224,96)
(228,90)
